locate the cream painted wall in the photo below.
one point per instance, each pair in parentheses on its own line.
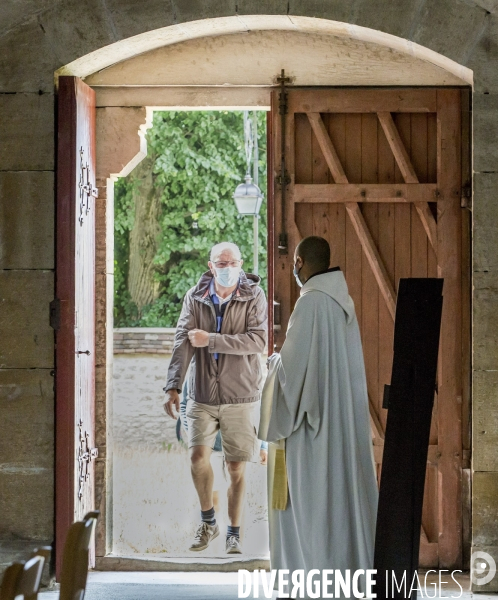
(255,58)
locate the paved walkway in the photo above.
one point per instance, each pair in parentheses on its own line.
(198,586)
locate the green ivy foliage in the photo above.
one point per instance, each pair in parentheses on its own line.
(197,160)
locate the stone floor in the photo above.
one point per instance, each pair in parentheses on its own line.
(198,586)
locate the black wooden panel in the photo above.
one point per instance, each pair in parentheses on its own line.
(411,399)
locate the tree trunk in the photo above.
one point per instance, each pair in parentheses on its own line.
(144,237)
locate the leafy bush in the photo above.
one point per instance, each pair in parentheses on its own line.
(197,159)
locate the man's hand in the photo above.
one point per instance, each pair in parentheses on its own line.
(172,398)
(198,338)
(263,456)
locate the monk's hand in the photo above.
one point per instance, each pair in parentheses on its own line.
(263,456)
(172,399)
(198,338)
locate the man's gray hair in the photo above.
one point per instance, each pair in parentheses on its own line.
(217,249)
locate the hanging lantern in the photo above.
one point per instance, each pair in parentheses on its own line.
(248,197)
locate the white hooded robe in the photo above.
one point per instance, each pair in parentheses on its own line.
(320,406)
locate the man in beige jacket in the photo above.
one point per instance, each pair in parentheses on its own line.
(223,330)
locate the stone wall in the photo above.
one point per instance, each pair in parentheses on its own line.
(145,340)
(139,420)
(38,37)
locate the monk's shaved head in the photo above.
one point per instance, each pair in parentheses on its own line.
(315,252)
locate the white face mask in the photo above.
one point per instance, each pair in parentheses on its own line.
(228,276)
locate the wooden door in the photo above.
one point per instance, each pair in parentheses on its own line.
(74,308)
(377,172)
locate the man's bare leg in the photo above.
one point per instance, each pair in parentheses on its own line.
(202,475)
(216,501)
(236,491)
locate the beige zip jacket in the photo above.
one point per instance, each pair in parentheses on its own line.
(236,376)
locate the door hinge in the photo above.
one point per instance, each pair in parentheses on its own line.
(55,314)
(466,197)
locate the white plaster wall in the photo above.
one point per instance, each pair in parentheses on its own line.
(155,509)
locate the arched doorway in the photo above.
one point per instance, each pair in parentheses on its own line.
(210,63)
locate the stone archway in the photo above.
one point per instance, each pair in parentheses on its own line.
(161,69)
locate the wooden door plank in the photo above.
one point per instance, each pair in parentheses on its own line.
(354,268)
(370,316)
(402,244)
(320,169)
(450,373)
(321,225)
(419,149)
(419,246)
(304,159)
(293,234)
(337,131)
(352,167)
(425,162)
(429,509)
(303,165)
(369,100)
(431,178)
(408,171)
(432,148)
(386,165)
(372,256)
(337,214)
(372,300)
(428,222)
(327,147)
(398,148)
(365,192)
(420,159)
(304,219)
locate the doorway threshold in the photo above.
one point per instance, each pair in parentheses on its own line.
(155,562)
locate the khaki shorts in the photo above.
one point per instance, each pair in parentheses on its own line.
(238,424)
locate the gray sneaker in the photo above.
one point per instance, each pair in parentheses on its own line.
(233,545)
(204,535)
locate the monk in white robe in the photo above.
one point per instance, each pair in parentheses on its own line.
(319,406)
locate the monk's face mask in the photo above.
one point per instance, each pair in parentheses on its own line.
(296,271)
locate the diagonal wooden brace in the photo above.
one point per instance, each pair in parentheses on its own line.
(327,147)
(354,213)
(372,254)
(408,172)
